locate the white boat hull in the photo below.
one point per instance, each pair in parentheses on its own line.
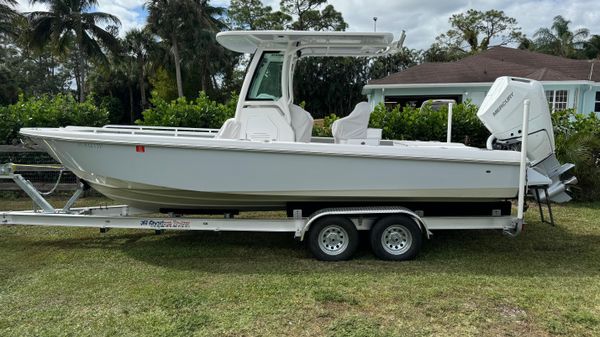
(210,174)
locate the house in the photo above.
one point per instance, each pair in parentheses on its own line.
(568,83)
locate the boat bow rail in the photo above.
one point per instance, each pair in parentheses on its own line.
(144,130)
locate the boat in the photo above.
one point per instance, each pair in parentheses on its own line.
(266,159)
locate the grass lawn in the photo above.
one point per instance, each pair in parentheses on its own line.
(78,282)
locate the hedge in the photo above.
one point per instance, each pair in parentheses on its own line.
(422,124)
(577,138)
(430,124)
(201,112)
(48,111)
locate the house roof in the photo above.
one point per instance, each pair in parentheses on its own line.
(495,62)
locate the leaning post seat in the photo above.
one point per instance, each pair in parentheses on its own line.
(354,126)
(302,123)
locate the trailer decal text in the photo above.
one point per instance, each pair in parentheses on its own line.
(166,223)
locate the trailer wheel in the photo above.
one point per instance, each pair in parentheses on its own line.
(333,238)
(396,238)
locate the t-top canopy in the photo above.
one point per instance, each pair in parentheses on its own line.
(311,43)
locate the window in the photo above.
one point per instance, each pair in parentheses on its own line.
(597,103)
(266,82)
(557,99)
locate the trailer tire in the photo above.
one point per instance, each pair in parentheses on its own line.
(333,238)
(396,238)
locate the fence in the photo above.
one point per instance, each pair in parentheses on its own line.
(42,177)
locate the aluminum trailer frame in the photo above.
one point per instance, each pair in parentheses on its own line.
(122,216)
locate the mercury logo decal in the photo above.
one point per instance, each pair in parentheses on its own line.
(506,100)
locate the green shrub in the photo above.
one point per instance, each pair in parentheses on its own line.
(200,113)
(430,124)
(113,105)
(48,111)
(324,129)
(577,138)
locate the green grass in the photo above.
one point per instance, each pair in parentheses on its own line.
(78,282)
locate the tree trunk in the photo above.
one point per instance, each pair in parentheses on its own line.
(143,101)
(81,66)
(177,67)
(131,112)
(204,86)
(78,84)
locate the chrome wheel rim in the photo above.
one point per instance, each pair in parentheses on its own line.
(396,239)
(333,239)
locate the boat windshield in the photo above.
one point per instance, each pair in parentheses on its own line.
(266,83)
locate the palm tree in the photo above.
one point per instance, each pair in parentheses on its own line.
(70,24)
(210,55)
(7,15)
(176,21)
(592,47)
(138,44)
(559,40)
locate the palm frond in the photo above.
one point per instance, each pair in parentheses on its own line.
(92,48)
(105,38)
(10,3)
(95,18)
(41,30)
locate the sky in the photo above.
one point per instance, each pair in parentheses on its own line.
(422,20)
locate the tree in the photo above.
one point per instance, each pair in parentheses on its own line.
(252,15)
(138,43)
(69,23)
(310,18)
(28,71)
(592,47)
(384,66)
(442,53)
(7,16)
(207,56)
(559,40)
(176,21)
(331,85)
(327,85)
(474,30)
(526,43)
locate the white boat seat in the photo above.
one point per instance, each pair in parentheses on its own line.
(302,123)
(353,126)
(229,130)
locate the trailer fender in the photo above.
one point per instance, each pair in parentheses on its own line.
(350,211)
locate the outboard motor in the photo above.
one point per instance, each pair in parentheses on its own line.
(502,113)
